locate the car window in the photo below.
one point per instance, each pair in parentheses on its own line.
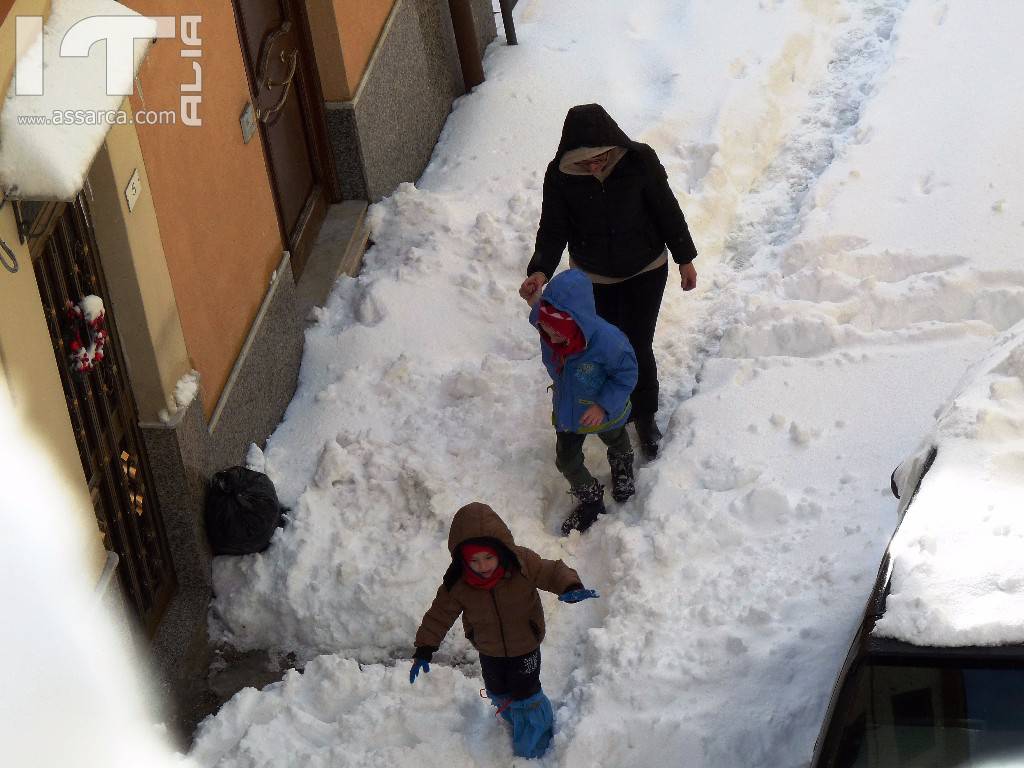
(934,717)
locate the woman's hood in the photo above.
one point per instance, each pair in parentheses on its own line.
(588,125)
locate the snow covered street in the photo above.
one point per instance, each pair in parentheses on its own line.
(851,171)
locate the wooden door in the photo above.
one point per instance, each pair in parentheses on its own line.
(103,413)
(288,101)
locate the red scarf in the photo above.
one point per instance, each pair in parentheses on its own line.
(472,577)
(563,324)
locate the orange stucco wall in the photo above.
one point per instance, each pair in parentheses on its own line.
(330,63)
(212,193)
(359,23)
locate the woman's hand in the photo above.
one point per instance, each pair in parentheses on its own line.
(531,287)
(593,416)
(687,276)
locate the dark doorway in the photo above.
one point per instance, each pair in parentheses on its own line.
(288,103)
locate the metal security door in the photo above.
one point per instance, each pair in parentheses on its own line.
(102,409)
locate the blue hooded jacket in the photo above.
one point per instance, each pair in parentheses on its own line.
(604,372)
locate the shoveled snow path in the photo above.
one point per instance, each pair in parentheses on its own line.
(702,668)
(731,582)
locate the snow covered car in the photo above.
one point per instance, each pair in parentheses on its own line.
(935,674)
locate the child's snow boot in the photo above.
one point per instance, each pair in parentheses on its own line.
(503,703)
(591,504)
(623,485)
(532,725)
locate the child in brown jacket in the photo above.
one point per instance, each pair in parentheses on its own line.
(493,584)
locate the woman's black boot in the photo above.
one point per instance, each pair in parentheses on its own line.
(648,434)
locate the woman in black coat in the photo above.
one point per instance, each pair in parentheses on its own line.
(608,198)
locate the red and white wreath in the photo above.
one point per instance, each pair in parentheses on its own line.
(89,333)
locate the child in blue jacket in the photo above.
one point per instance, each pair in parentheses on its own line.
(593,370)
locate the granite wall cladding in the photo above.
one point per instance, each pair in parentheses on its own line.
(265,383)
(343,134)
(386,134)
(179,460)
(184,454)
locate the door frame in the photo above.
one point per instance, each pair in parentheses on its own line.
(312,107)
(136,477)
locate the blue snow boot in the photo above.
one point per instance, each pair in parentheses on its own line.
(502,702)
(532,725)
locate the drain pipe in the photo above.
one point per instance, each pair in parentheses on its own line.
(466,42)
(506,19)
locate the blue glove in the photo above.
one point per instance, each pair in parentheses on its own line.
(417,665)
(575,595)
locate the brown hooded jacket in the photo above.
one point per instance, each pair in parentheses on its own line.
(508,619)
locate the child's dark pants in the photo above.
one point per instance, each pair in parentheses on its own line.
(514,676)
(632,307)
(569,453)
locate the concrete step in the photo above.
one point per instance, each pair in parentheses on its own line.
(338,250)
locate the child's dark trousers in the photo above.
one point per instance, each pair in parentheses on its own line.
(514,676)
(569,453)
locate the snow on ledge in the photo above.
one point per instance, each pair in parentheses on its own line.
(958,557)
(50,162)
(185,391)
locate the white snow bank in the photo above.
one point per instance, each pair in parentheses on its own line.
(49,160)
(339,714)
(957,564)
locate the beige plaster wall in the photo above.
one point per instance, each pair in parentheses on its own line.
(135,266)
(31,383)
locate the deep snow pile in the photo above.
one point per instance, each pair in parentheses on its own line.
(843,292)
(421,384)
(957,572)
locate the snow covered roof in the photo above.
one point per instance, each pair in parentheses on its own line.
(958,557)
(49,160)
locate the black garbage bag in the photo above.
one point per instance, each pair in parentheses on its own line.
(242,511)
